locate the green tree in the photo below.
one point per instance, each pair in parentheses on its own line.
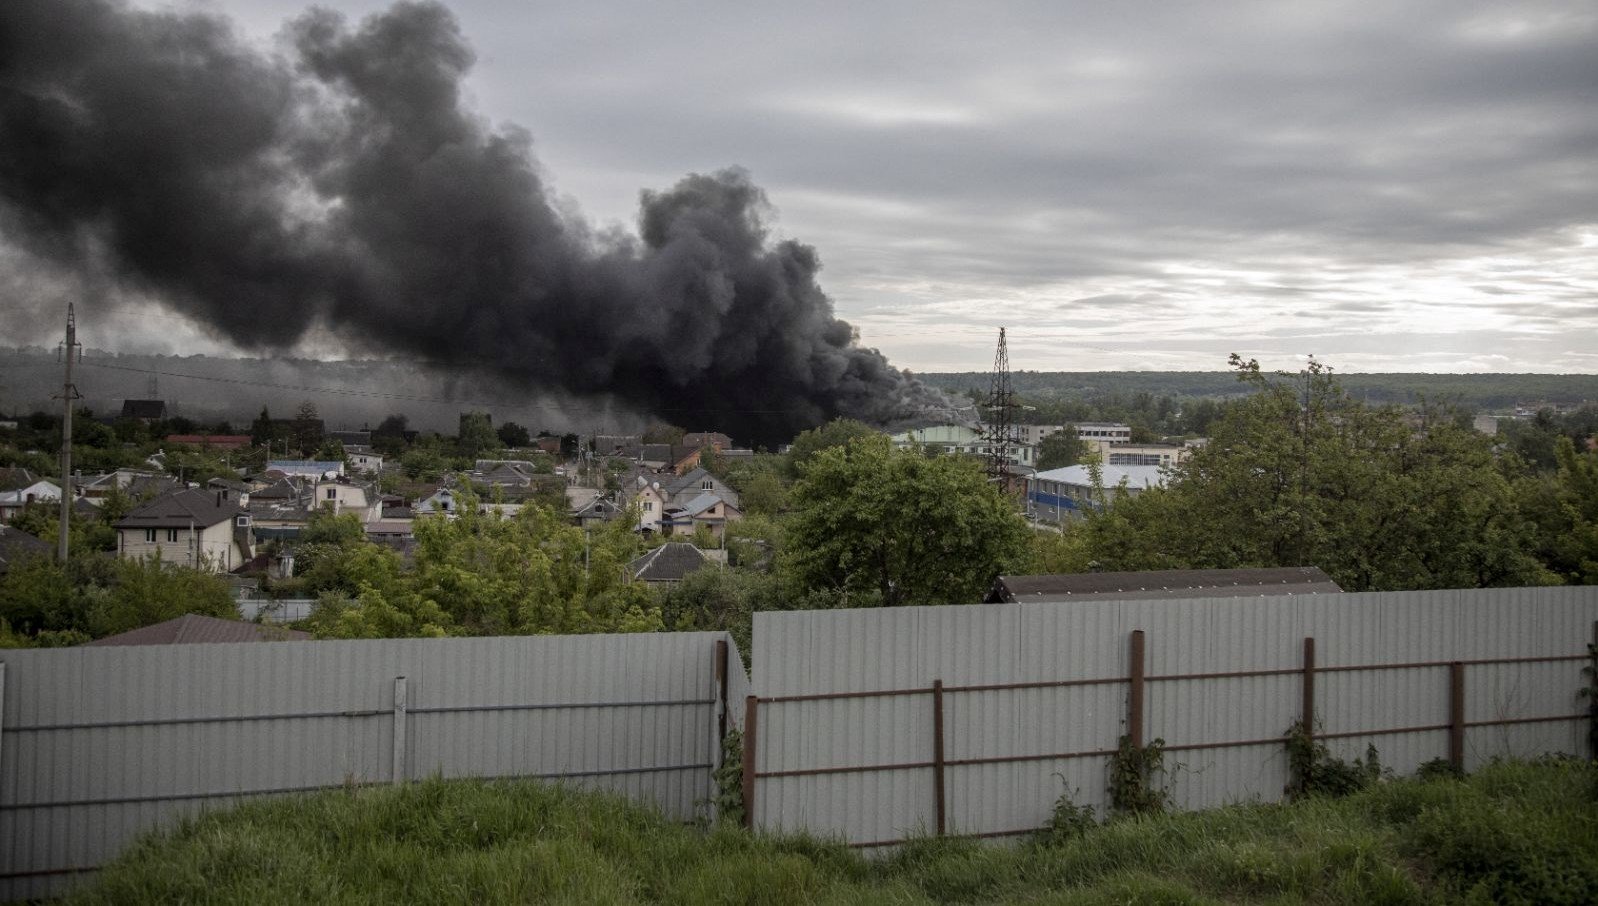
(1302,474)
(149,591)
(514,435)
(873,524)
(836,433)
(476,435)
(1062,448)
(307,428)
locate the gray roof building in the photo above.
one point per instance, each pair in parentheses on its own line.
(195,629)
(1163,583)
(669,562)
(17,545)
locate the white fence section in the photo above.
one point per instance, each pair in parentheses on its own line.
(876,725)
(100,744)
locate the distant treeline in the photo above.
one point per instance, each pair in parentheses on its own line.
(1479,392)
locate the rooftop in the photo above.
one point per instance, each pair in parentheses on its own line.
(1163,583)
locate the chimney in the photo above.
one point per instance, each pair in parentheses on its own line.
(218,498)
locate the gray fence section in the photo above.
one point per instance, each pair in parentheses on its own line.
(1034,697)
(100,744)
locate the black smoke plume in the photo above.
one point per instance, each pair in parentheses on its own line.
(342,182)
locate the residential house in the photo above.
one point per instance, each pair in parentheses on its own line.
(203,529)
(706,511)
(683,488)
(363,460)
(440,502)
(17,545)
(1064,493)
(668,563)
(651,498)
(308,468)
(597,511)
(15,500)
(343,495)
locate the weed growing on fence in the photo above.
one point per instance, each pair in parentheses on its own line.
(1590,693)
(1133,790)
(1067,820)
(1313,770)
(730,779)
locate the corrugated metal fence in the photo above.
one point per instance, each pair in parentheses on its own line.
(100,744)
(875,725)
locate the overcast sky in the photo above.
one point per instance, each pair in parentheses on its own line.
(1398,186)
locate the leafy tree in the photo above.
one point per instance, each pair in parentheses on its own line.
(836,433)
(1302,474)
(514,435)
(718,599)
(476,435)
(95,596)
(873,524)
(149,591)
(486,575)
(388,438)
(331,450)
(1061,449)
(760,486)
(661,433)
(307,428)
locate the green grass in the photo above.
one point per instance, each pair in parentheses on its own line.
(1510,833)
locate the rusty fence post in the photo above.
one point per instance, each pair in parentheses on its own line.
(938,796)
(1456,715)
(1134,716)
(721,690)
(751,731)
(1307,709)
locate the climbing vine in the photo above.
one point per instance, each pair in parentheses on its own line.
(1133,790)
(730,779)
(1313,770)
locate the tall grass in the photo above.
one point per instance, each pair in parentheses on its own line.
(1511,833)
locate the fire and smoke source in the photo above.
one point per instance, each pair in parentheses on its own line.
(341,182)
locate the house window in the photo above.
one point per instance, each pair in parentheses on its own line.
(149,536)
(172,534)
(649,506)
(243,521)
(332,493)
(707,485)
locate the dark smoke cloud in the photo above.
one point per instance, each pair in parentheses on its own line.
(343,182)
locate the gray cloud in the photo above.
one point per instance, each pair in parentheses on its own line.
(1230,160)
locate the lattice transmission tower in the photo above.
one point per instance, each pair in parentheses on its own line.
(999,431)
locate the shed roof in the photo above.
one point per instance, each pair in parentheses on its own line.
(194,629)
(669,562)
(1163,583)
(15,545)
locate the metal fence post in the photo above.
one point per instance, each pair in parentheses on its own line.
(397,773)
(1456,715)
(751,732)
(1307,709)
(1135,704)
(938,795)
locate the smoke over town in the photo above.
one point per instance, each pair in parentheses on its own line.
(342,183)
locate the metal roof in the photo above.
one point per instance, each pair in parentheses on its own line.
(180,509)
(194,629)
(668,563)
(15,544)
(1136,476)
(1163,583)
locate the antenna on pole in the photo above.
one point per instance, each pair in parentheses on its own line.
(69,350)
(999,431)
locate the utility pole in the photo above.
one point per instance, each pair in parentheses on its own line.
(69,394)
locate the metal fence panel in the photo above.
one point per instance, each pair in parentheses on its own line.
(99,744)
(1223,733)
